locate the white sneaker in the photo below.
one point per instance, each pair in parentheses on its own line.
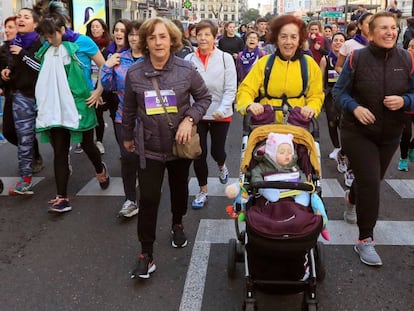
(78,149)
(342,162)
(129,209)
(349,178)
(100,147)
(334,153)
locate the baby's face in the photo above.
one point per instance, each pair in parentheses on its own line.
(284,154)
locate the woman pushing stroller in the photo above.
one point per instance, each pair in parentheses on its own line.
(298,76)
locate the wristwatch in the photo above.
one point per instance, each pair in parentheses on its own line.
(190,119)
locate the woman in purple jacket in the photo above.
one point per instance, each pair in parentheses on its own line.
(159,39)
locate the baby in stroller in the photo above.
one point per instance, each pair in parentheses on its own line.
(277,161)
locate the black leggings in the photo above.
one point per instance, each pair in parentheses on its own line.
(370,159)
(332,115)
(111,104)
(60,140)
(406,141)
(218,133)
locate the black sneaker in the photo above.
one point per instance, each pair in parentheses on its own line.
(60,205)
(144,267)
(103,178)
(178,236)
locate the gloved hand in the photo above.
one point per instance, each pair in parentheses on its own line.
(272,195)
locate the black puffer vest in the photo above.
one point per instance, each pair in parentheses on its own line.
(378,72)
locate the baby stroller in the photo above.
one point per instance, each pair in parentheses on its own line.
(279,246)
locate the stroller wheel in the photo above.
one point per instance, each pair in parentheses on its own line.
(250,305)
(231,258)
(309,305)
(320,261)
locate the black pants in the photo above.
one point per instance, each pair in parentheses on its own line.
(129,166)
(111,103)
(218,133)
(370,159)
(332,115)
(406,141)
(150,183)
(60,140)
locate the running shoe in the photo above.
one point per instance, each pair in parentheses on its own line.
(342,163)
(129,209)
(23,186)
(178,236)
(200,200)
(223,174)
(367,253)
(144,267)
(59,205)
(350,215)
(403,165)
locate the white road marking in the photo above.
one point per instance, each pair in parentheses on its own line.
(115,188)
(404,187)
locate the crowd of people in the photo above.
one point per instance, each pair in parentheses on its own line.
(200,76)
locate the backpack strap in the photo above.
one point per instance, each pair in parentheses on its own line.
(268,69)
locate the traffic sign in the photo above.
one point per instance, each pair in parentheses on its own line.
(187,4)
(332,14)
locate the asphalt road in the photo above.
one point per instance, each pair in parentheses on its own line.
(82,260)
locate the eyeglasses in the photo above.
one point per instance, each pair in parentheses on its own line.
(133,35)
(250,27)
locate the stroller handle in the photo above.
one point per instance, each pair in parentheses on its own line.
(286,109)
(308,187)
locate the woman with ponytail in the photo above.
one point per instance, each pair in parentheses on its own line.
(66,112)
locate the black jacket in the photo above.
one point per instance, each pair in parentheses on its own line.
(25,69)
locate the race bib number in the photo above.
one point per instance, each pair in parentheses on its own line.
(332,76)
(153,105)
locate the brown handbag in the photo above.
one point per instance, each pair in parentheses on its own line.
(189,150)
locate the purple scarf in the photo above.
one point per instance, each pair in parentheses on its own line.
(25,40)
(360,39)
(112,49)
(70,35)
(248,58)
(333,57)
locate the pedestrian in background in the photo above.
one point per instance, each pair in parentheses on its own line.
(21,74)
(407,143)
(98,31)
(230,43)
(359,41)
(113,80)
(218,72)
(249,56)
(330,76)
(372,120)
(154,135)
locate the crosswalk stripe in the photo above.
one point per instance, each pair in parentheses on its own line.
(92,188)
(331,188)
(404,187)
